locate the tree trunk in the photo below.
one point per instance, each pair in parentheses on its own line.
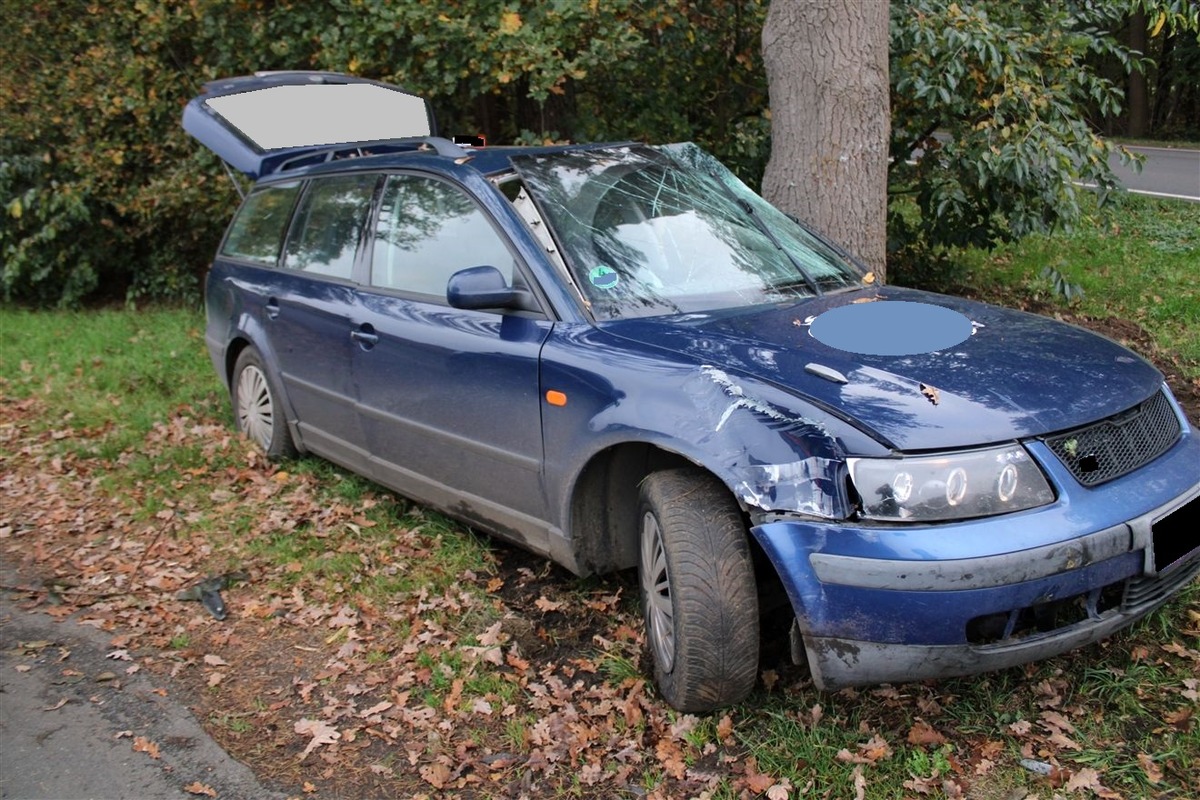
(827,72)
(1136,96)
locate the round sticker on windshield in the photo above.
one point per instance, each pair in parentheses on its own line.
(603,277)
(891,328)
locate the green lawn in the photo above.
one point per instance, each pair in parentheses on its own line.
(500,655)
(1140,263)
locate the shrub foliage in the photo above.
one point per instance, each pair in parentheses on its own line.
(103,196)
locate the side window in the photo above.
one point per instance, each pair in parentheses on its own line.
(256,233)
(329,225)
(427,231)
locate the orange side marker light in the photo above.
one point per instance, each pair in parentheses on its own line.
(556,398)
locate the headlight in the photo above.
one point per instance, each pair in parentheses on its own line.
(979,483)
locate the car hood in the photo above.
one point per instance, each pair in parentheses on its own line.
(1013,376)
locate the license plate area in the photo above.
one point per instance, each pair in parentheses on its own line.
(1174,540)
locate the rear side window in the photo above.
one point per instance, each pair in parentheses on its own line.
(257,231)
(329,225)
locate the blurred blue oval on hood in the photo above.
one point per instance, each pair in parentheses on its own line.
(891,328)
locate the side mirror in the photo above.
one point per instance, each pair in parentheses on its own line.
(481,288)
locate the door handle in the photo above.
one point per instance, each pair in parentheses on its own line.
(272,308)
(365,336)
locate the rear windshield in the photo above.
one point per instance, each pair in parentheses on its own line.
(256,233)
(652,231)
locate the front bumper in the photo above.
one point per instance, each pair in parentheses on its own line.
(879,604)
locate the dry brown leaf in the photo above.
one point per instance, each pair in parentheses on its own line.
(545,605)
(1021,727)
(725,728)
(436,775)
(196,787)
(860,784)
(921,785)
(1180,719)
(757,782)
(1153,773)
(493,635)
(321,733)
(780,791)
(143,745)
(931,393)
(922,733)
(1089,779)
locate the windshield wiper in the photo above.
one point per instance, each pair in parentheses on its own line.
(770,234)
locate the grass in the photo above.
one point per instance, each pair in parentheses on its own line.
(1140,263)
(122,390)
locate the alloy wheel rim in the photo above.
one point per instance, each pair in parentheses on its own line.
(255,411)
(656,589)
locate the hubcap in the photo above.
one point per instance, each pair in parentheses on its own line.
(255,411)
(656,589)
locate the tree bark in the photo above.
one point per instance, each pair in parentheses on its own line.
(1136,95)
(827,72)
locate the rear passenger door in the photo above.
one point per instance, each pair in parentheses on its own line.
(308,315)
(449,397)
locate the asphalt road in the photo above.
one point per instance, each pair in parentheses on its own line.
(75,724)
(1166,172)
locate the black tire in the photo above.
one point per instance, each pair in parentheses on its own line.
(256,407)
(699,596)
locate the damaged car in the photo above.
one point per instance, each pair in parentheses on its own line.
(620,357)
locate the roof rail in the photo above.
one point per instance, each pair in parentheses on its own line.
(441,146)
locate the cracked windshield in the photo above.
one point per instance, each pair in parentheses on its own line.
(650,231)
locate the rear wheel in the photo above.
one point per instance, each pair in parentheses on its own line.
(699,596)
(256,406)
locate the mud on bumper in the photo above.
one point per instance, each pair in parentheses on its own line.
(879,606)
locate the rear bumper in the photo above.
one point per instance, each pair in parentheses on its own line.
(880,604)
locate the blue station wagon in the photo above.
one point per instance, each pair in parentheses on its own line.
(619,356)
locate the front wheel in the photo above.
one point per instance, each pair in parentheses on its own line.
(256,406)
(698,591)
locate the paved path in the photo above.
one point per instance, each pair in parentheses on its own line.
(66,733)
(1167,172)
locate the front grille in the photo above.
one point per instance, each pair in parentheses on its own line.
(1120,444)
(1148,591)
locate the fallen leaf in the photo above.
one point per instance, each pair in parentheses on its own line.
(378,708)
(757,782)
(1089,779)
(923,733)
(196,787)
(320,732)
(860,784)
(725,728)
(56,706)
(780,791)
(931,393)
(143,745)
(215,661)
(436,775)
(493,635)
(921,785)
(1181,719)
(1153,773)
(546,606)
